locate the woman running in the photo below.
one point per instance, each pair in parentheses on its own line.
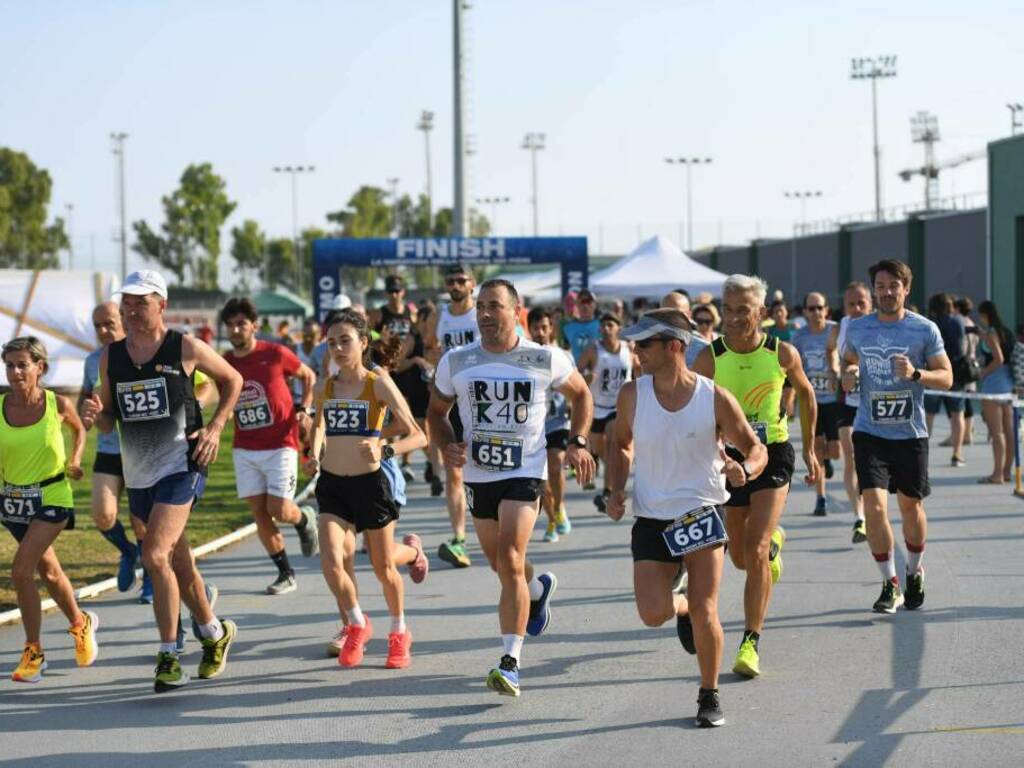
(353,492)
(37,503)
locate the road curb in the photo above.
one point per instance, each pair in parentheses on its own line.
(92,590)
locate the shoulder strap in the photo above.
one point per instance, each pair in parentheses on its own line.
(718,347)
(771,343)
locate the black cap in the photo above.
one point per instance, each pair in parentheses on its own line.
(393,283)
(586,293)
(456,269)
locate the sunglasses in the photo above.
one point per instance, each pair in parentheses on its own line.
(456,280)
(585,301)
(815,308)
(703,321)
(394,290)
(645,343)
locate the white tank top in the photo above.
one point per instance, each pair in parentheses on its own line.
(611,371)
(455,331)
(852,399)
(677,466)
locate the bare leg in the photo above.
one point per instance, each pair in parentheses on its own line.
(455,494)
(28,558)
(166,527)
(338,545)
(765,510)
(850,472)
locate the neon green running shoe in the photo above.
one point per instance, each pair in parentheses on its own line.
(454,553)
(775,553)
(169,674)
(215,652)
(747,663)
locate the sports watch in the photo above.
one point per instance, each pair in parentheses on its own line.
(387,452)
(916,375)
(578,440)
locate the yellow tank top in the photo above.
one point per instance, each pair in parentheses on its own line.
(361,416)
(34,454)
(755,379)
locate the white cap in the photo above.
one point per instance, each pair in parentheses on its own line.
(143,283)
(341,301)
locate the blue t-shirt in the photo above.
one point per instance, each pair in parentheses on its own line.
(694,348)
(892,408)
(105,443)
(581,334)
(814,356)
(394,475)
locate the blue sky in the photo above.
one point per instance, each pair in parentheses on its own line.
(762,88)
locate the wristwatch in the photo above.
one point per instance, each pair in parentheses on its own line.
(387,452)
(310,411)
(916,375)
(578,440)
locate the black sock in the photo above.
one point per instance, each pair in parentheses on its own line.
(118,538)
(301,525)
(749,634)
(281,561)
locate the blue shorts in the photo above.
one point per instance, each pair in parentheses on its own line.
(999,382)
(179,488)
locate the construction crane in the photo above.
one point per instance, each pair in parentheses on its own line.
(924,129)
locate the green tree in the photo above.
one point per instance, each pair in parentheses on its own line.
(307,236)
(26,240)
(194,215)
(367,214)
(479,226)
(280,264)
(248,249)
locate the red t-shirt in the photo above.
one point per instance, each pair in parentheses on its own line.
(264,414)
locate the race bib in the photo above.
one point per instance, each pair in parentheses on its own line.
(761,430)
(820,384)
(143,400)
(496,453)
(698,529)
(254,415)
(21,503)
(346,417)
(892,407)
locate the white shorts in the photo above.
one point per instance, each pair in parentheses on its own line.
(272,472)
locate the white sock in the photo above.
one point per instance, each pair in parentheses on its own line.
(355,616)
(513,645)
(536,588)
(169,648)
(887,567)
(914,559)
(212,631)
(398,623)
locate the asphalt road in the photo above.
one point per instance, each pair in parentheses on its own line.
(840,685)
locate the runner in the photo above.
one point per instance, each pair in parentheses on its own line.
(454,326)
(895,355)
(580,332)
(265,444)
(107,475)
(146,389)
(857,303)
(606,365)
(680,299)
(37,503)
(556,434)
(500,384)
(353,492)
(672,419)
(753,366)
(821,364)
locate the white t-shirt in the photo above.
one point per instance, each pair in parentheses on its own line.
(502,399)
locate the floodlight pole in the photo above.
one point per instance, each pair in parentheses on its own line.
(426,124)
(1016,115)
(293,171)
(872,69)
(118,149)
(494,202)
(688,162)
(460,218)
(533,143)
(802,196)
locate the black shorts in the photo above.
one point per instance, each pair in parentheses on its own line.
(364,501)
(827,425)
(456,421)
(895,465)
(934,403)
(557,440)
(777,473)
(46,515)
(845,415)
(647,543)
(108,464)
(483,499)
(415,391)
(598,425)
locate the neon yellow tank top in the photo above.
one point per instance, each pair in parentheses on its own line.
(755,379)
(32,454)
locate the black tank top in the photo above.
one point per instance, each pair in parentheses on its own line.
(399,323)
(156,410)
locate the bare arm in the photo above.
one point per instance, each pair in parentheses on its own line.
(790,362)
(401,417)
(993,342)
(199,356)
(98,407)
(316,437)
(69,415)
(577,394)
(620,456)
(705,363)
(735,428)
(587,361)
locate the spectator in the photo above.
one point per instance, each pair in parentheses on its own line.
(284,335)
(705,316)
(964,306)
(996,349)
(954,338)
(1017,361)
(205,333)
(781,328)
(796,317)
(581,332)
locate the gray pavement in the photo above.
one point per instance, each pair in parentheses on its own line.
(840,685)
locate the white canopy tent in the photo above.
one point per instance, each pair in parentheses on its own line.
(540,287)
(653,269)
(56,307)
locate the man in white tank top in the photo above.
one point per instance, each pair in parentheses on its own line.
(672,420)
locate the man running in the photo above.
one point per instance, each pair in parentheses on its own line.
(857,303)
(265,446)
(580,332)
(454,326)
(680,299)
(895,355)
(146,389)
(753,367)
(500,384)
(821,364)
(671,419)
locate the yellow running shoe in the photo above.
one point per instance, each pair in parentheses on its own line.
(86,649)
(747,663)
(775,553)
(551,534)
(33,662)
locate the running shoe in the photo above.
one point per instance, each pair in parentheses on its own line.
(601,502)
(211,597)
(709,709)
(399,647)
(562,522)
(417,568)
(309,537)
(126,570)
(681,581)
(684,631)
(454,552)
(407,474)
(146,594)
(540,610)
(355,643)
(215,652)
(890,599)
(337,642)
(169,674)
(957,461)
(505,677)
(829,470)
(775,553)
(84,635)
(436,486)
(821,507)
(913,593)
(283,584)
(747,662)
(31,667)
(551,533)
(428,473)
(860,532)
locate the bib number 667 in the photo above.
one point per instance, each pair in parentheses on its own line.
(695,532)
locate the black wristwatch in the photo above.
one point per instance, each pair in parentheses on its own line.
(310,411)
(916,375)
(578,440)
(387,452)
